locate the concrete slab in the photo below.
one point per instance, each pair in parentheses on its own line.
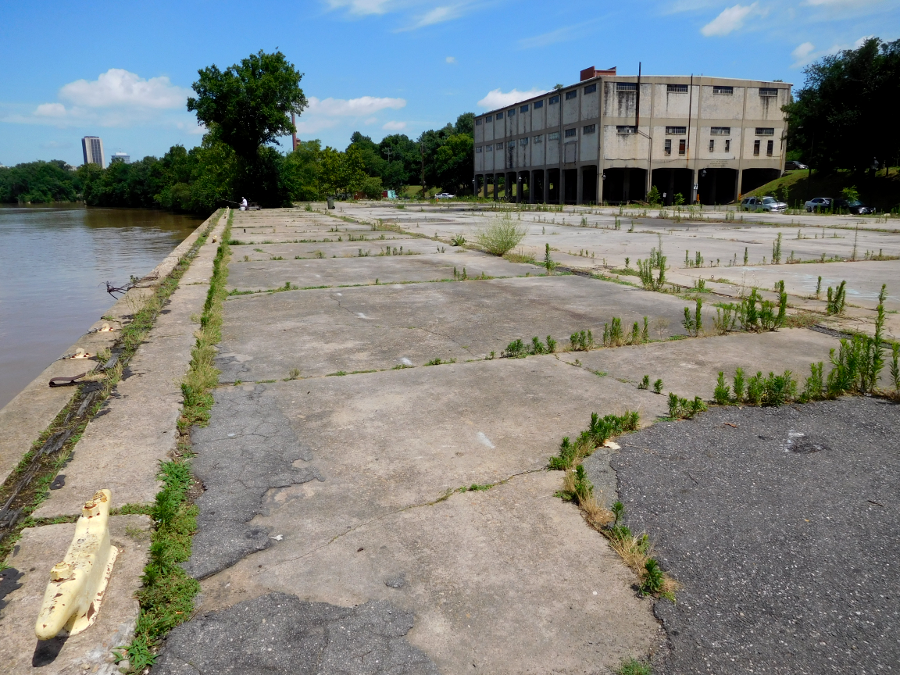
(334,249)
(511,570)
(690,367)
(376,327)
(367,270)
(88,652)
(122,447)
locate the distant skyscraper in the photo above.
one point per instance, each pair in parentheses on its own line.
(120,157)
(93,150)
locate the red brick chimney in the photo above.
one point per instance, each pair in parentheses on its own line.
(589,73)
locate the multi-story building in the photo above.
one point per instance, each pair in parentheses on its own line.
(610,137)
(123,157)
(92,147)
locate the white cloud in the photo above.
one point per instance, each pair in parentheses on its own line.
(729,20)
(450,59)
(355,107)
(57,110)
(371,120)
(362,7)
(802,52)
(437,15)
(120,88)
(554,36)
(842,3)
(394,126)
(498,99)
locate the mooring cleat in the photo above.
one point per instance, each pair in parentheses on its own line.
(77,584)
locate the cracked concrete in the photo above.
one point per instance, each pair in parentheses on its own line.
(422,491)
(248,452)
(250,637)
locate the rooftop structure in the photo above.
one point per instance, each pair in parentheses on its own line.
(610,138)
(123,157)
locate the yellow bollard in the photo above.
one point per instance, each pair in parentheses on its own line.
(72,599)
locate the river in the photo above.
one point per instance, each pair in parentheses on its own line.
(54,262)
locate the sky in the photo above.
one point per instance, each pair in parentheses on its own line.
(123,71)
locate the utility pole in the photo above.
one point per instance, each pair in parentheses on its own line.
(294,132)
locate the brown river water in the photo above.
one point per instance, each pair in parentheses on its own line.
(54,262)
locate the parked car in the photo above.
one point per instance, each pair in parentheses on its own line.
(818,204)
(444,195)
(852,206)
(794,166)
(762,204)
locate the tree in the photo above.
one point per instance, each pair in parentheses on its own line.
(453,163)
(842,117)
(249,104)
(301,171)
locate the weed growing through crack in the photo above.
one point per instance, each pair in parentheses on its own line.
(645,382)
(582,341)
(837,299)
(634,667)
(776,250)
(656,261)
(819,288)
(658,386)
(514,350)
(693,324)
(682,408)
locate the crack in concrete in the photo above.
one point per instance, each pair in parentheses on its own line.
(444,497)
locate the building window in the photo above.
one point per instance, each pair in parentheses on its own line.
(682,146)
(626,130)
(538,104)
(553,136)
(589,129)
(499,146)
(524,108)
(676,131)
(478,122)
(770,148)
(512,144)
(499,116)
(756,147)
(727,145)
(554,99)
(626,86)
(668,149)
(489,148)
(571,94)
(768,91)
(478,150)
(523,141)
(510,113)
(591,88)
(489,118)
(765,131)
(712,145)
(676,88)
(726,91)
(720,131)
(570,133)
(538,139)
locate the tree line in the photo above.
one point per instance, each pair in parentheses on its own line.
(844,115)
(245,109)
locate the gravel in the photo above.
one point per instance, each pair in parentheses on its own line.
(781,524)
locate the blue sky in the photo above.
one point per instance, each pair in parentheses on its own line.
(122,70)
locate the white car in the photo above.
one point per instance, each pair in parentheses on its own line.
(444,195)
(818,204)
(762,204)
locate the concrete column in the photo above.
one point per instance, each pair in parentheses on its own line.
(579,182)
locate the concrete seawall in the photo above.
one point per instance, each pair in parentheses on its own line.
(120,449)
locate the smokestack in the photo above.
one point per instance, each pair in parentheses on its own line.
(637,103)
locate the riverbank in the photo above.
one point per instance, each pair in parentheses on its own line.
(54,264)
(137,421)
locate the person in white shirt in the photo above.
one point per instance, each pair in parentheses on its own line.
(243,203)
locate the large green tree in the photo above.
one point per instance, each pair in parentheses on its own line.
(844,115)
(248,106)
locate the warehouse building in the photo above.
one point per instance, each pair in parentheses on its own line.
(610,137)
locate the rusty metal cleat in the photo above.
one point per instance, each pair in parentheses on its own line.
(73,596)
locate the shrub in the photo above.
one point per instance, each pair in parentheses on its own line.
(501,236)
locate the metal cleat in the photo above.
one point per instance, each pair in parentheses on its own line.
(73,596)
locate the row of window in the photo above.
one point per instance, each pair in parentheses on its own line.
(682,144)
(765,92)
(589,89)
(718,131)
(552,136)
